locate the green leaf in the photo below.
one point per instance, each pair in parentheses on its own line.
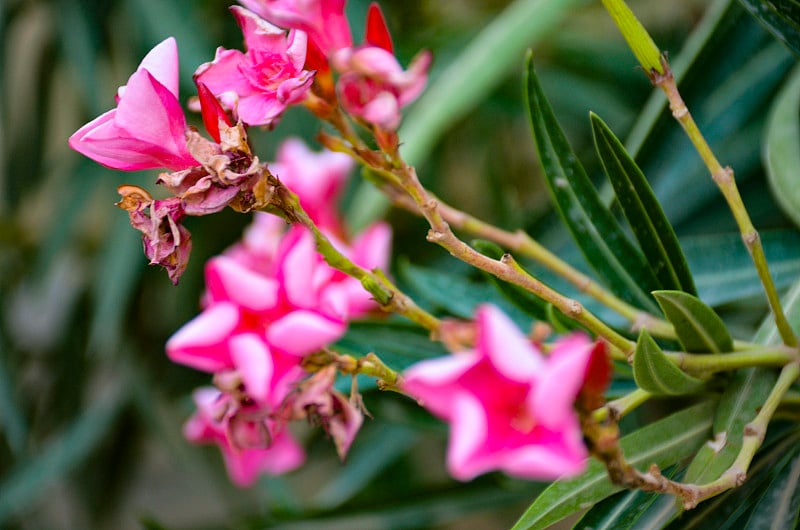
(781,154)
(780,17)
(645,216)
(740,403)
(655,373)
(630,509)
(591,224)
(723,269)
(780,504)
(699,328)
(663,443)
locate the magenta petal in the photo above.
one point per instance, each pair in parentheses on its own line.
(254,364)
(433,382)
(303,332)
(542,462)
(556,393)
(297,267)
(226,279)
(372,248)
(202,342)
(511,353)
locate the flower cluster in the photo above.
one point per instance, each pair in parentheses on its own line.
(272,302)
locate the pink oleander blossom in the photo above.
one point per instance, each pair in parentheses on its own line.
(323,20)
(373,86)
(317,178)
(147,129)
(260,83)
(510,408)
(251,441)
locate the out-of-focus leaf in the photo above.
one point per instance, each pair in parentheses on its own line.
(455,294)
(663,443)
(13,425)
(740,402)
(366,460)
(698,327)
(655,373)
(724,271)
(476,72)
(780,152)
(780,503)
(25,482)
(591,224)
(780,17)
(655,235)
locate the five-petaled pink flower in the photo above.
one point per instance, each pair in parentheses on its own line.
(260,83)
(147,129)
(323,20)
(510,408)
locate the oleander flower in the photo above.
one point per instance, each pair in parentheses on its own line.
(323,20)
(147,129)
(262,82)
(509,407)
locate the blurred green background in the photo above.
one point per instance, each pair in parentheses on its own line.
(90,408)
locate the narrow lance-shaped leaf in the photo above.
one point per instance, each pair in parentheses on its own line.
(663,443)
(698,327)
(781,155)
(780,17)
(780,504)
(655,373)
(644,213)
(591,224)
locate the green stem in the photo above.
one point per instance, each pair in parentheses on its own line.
(754,433)
(375,282)
(698,364)
(723,177)
(616,409)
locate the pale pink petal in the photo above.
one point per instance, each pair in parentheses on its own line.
(162,63)
(433,382)
(542,462)
(372,248)
(468,432)
(202,342)
(557,391)
(511,353)
(224,74)
(303,332)
(298,263)
(258,33)
(253,361)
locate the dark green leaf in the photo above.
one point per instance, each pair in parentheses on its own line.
(724,272)
(655,373)
(781,153)
(699,328)
(645,216)
(591,224)
(780,503)
(780,17)
(663,443)
(629,510)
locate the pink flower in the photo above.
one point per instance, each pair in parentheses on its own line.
(373,86)
(251,442)
(147,129)
(260,83)
(509,407)
(323,20)
(317,178)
